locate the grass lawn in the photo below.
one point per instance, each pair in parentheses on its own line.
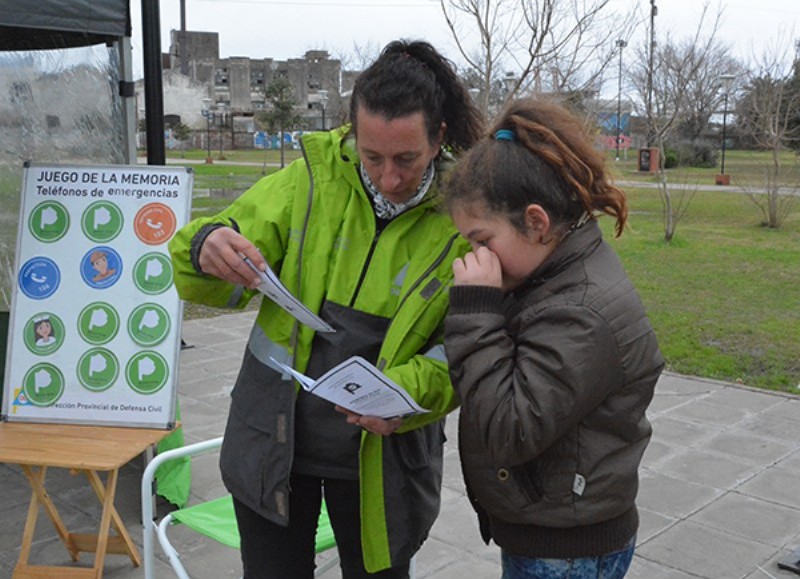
(723,295)
(745,168)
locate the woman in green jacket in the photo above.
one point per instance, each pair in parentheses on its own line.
(355,231)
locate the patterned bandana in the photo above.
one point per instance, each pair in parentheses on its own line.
(384,208)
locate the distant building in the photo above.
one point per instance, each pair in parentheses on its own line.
(193,71)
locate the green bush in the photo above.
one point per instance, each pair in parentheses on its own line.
(699,153)
(670,159)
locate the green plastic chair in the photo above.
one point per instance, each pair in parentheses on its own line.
(214,518)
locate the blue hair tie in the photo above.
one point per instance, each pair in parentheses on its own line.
(504,135)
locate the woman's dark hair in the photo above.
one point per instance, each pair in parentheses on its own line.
(410,77)
(543,154)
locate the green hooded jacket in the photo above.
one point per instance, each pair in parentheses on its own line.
(316,228)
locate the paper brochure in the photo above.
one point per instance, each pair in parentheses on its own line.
(360,387)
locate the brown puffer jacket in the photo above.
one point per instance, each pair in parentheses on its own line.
(554,381)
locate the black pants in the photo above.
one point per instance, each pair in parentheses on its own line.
(270,551)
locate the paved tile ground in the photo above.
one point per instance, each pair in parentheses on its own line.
(719,495)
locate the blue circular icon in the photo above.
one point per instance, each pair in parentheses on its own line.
(39,278)
(101,267)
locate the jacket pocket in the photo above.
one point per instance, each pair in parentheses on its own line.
(260,396)
(255,455)
(415,448)
(529,480)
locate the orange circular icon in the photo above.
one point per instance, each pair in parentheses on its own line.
(154,224)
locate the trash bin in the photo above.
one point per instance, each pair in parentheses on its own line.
(648,159)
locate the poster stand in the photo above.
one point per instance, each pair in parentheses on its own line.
(91,370)
(94,334)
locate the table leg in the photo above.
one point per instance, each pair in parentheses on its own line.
(121,544)
(105,520)
(40,496)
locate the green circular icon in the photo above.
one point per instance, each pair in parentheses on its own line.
(147,372)
(148,324)
(102,221)
(44,333)
(43,384)
(98,369)
(152,273)
(98,323)
(49,221)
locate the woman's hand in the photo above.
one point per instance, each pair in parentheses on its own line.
(222,256)
(372,424)
(480,267)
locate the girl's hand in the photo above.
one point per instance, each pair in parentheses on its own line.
(480,267)
(222,256)
(372,424)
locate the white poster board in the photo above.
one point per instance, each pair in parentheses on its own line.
(94,334)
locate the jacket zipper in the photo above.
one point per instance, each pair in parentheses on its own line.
(296,326)
(364,270)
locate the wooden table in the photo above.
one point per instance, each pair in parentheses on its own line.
(87,449)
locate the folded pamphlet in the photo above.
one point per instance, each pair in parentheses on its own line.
(360,387)
(272,287)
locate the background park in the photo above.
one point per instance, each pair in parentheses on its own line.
(713,238)
(723,293)
(718,266)
(713,245)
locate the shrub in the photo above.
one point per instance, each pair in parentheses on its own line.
(670,159)
(699,153)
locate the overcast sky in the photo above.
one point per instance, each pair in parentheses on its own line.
(287,29)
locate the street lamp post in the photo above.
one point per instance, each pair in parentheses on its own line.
(726,80)
(509,84)
(209,115)
(620,44)
(323,103)
(221,115)
(650,57)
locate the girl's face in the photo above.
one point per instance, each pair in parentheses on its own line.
(44,329)
(520,254)
(395,153)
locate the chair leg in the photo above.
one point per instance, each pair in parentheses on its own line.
(169,550)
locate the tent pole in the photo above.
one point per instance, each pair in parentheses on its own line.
(153,83)
(128,99)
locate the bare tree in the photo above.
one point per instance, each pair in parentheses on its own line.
(767,113)
(363,55)
(281,114)
(676,68)
(705,91)
(555,45)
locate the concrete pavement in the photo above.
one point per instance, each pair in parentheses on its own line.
(719,497)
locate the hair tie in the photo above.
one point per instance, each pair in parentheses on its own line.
(504,135)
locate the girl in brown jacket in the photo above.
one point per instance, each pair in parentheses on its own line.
(550,350)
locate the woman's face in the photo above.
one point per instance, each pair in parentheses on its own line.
(396,152)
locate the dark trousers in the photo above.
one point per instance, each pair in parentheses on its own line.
(270,551)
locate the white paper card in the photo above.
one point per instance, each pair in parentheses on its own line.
(360,387)
(272,287)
